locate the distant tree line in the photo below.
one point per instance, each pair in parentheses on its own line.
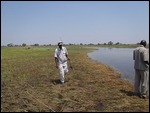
(109,43)
(24,44)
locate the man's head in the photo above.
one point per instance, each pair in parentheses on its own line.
(143,42)
(60,44)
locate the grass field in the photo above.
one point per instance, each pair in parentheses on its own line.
(29,83)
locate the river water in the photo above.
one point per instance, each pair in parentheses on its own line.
(120,59)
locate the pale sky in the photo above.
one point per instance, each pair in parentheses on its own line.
(47,22)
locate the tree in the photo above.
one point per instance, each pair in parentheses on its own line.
(10,45)
(110,43)
(81,44)
(24,44)
(36,44)
(117,43)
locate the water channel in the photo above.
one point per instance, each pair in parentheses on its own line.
(120,59)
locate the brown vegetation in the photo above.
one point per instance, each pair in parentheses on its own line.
(30,83)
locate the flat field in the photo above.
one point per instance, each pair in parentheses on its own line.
(30,83)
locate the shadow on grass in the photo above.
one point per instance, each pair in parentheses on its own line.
(56,81)
(128,93)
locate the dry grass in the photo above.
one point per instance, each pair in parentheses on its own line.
(30,83)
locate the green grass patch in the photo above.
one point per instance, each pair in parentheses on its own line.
(30,82)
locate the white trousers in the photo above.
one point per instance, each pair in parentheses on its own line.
(63,69)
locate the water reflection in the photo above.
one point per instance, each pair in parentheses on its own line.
(121,59)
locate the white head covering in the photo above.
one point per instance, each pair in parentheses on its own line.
(60,43)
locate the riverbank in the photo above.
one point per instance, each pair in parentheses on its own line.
(30,82)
